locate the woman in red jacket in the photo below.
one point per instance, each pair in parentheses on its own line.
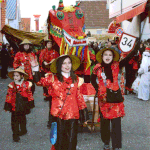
(107,71)
(23,59)
(68,104)
(19,101)
(46,56)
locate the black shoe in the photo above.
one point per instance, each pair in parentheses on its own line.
(46,99)
(3,77)
(48,125)
(126,92)
(16,138)
(131,92)
(22,133)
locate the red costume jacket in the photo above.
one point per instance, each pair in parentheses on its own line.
(24,90)
(58,90)
(24,58)
(47,55)
(109,110)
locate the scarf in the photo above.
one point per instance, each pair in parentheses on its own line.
(107,70)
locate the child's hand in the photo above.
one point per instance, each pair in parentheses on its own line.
(34,62)
(86,122)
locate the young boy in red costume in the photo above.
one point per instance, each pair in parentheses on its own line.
(19,101)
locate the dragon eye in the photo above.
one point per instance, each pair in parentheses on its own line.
(60,15)
(79,14)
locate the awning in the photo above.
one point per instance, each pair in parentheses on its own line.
(132,13)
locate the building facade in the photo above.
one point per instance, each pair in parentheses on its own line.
(25,24)
(96,16)
(13,16)
(134,16)
(2,17)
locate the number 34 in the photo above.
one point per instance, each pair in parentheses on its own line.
(126,42)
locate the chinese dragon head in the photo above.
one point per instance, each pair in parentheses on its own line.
(66,26)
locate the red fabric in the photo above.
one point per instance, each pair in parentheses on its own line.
(12,53)
(47,55)
(109,110)
(53,147)
(134,63)
(25,58)
(147,48)
(24,90)
(84,62)
(58,90)
(87,89)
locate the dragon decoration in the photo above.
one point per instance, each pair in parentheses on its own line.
(66,26)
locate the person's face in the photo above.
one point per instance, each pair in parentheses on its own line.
(107,56)
(17,76)
(66,66)
(109,44)
(49,45)
(89,44)
(95,45)
(26,47)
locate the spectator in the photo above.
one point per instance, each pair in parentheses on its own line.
(5,57)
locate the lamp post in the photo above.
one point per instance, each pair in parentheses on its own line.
(36,22)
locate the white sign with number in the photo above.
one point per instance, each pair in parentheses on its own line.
(127,42)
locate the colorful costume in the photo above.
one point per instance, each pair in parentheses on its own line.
(117,109)
(47,55)
(107,75)
(19,117)
(23,59)
(144,72)
(67,118)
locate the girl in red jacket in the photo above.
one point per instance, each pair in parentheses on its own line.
(68,104)
(19,101)
(107,71)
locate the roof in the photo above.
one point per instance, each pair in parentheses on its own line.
(96,14)
(17,36)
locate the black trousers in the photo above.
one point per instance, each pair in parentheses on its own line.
(4,70)
(45,90)
(50,117)
(66,134)
(112,131)
(130,75)
(33,86)
(16,121)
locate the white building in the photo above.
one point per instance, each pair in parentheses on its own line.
(136,12)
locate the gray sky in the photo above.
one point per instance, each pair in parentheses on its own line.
(41,7)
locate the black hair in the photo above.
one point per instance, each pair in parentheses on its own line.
(59,65)
(3,46)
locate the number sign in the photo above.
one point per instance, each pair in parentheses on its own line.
(126,43)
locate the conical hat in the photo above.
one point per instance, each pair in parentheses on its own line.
(99,54)
(25,41)
(75,63)
(20,70)
(47,39)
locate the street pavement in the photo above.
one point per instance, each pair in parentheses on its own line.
(135,126)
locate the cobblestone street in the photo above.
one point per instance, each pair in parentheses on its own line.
(135,126)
